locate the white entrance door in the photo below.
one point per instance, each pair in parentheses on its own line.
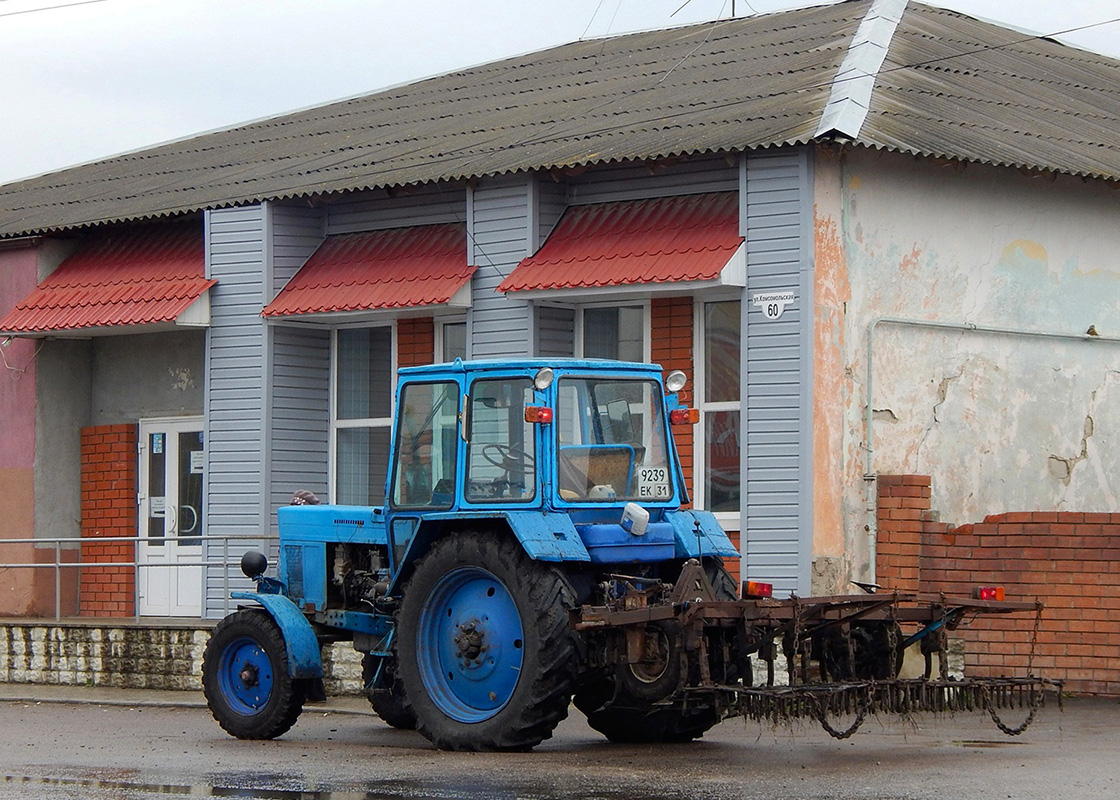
(172,458)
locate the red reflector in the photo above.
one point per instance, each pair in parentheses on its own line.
(538,414)
(684,416)
(756,589)
(988,593)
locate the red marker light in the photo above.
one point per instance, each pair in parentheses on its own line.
(988,593)
(539,415)
(756,589)
(684,416)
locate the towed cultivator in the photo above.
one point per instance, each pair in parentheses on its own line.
(840,656)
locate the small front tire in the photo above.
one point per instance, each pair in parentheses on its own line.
(245,677)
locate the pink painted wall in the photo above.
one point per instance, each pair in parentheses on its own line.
(18,276)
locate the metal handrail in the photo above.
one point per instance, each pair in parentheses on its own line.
(75,546)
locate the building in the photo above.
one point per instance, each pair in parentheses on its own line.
(874,234)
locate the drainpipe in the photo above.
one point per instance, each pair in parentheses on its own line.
(869,475)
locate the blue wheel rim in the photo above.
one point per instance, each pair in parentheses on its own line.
(245,676)
(470,645)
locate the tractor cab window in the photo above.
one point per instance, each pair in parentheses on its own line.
(427,438)
(501,453)
(611,441)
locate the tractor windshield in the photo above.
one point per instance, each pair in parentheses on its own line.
(612,443)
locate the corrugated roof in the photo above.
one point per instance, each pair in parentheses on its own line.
(710,87)
(954,87)
(398,268)
(669,239)
(950,86)
(141,276)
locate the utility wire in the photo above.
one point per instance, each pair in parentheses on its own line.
(50,8)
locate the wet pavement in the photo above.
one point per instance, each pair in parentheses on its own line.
(79,742)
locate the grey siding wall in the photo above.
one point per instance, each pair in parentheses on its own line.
(636,181)
(777,363)
(377,210)
(295,234)
(496,241)
(551,199)
(297,372)
(299,423)
(236,246)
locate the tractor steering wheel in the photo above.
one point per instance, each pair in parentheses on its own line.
(507,458)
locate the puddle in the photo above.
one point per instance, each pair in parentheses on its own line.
(394,790)
(198,790)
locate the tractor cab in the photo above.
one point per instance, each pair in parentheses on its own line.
(565,435)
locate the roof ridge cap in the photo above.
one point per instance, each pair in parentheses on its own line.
(850,97)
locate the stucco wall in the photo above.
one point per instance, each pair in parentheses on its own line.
(1001,421)
(62,410)
(147,375)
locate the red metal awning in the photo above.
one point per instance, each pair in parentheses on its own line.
(398,268)
(664,240)
(151,276)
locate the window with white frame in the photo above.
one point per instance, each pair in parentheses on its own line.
(452,342)
(718,397)
(617,332)
(363,411)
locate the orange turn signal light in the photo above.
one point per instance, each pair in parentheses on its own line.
(684,416)
(757,589)
(538,415)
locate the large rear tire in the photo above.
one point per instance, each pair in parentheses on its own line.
(484,650)
(245,677)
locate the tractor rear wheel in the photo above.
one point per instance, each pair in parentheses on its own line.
(245,677)
(484,650)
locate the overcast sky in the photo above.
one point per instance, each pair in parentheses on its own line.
(81,81)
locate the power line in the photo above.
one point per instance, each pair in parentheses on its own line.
(50,8)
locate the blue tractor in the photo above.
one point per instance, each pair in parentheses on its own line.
(535,552)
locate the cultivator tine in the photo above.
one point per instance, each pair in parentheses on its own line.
(904,697)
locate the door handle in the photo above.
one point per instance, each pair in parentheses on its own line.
(172,520)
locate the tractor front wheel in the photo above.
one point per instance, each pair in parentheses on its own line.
(245,677)
(484,652)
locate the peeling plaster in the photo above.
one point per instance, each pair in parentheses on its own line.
(982,414)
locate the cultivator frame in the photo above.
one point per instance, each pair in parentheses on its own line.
(829,672)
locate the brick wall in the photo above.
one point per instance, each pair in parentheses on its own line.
(671,347)
(1068,560)
(416,342)
(108,510)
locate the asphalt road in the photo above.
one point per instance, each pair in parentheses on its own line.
(84,750)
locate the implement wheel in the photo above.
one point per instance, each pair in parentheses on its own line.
(485,654)
(388,701)
(245,677)
(628,707)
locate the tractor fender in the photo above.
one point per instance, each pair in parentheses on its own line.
(304,657)
(698,533)
(547,536)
